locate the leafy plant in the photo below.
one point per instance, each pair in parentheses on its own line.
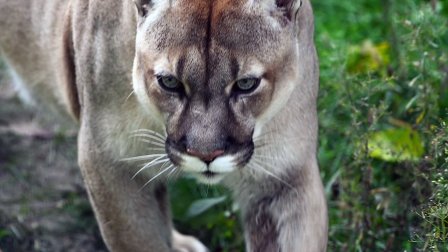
(376,117)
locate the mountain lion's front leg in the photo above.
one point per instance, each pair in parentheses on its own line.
(130,219)
(286,213)
(186,243)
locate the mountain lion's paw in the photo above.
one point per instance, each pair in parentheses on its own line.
(186,243)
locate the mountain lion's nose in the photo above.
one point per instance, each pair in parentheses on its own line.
(207,158)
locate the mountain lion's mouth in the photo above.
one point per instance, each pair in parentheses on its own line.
(209,174)
(209,177)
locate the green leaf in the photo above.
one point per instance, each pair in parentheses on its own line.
(395,145)
(200,206)
(4,233)
(368,57)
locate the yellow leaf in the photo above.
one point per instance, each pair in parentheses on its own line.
(368,57)
(395,145)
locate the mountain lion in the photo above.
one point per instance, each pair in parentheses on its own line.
(221,89)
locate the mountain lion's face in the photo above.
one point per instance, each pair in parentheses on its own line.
(214,72)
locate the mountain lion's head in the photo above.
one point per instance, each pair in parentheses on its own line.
(214,72)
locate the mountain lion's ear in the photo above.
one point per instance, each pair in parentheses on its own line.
(289,7)
(143,7)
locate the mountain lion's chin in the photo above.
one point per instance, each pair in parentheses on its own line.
(209,178)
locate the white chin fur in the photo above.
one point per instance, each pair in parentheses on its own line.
(219,168)
(215,179)
(192,164)
(223,164)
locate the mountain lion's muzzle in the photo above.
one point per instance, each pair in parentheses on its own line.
(209,143)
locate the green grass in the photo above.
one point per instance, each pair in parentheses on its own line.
(384,71)
(375,204)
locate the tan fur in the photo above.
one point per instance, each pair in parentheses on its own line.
(97,61)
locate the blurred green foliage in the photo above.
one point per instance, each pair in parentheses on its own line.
(208,213)
(377,204)
(383,89)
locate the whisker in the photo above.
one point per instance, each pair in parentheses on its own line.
(274,144)
(262,145)
(158,149)
(260,137)
(158,174)
(265,157)
(144,157)
(129,96)
(288,139)
(262,163)
(264,134)
(174,173)
(203,190)
(207,190)
(167,162)
(158,140)
(148,165)
(151,132)
(152,142)
(172,170)
(259,167)
(273,175)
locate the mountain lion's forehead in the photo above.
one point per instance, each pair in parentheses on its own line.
(231,24)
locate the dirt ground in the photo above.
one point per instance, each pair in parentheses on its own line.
(43,203)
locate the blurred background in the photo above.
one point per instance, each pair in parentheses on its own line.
(383,147)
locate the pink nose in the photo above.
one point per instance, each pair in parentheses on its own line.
(205,157)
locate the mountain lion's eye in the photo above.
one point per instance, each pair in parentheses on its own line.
(246,86)
(169,83)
